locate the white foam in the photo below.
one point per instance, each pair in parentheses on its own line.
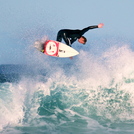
(110,70)
(11,106)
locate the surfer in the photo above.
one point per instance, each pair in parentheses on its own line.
(70,36)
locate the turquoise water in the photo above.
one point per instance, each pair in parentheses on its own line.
(90,96)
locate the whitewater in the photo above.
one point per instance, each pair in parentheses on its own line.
(91,94)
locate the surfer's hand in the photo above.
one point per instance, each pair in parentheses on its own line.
(100,25)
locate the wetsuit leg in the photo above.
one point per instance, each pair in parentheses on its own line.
(66,39)
(62,34)
(59,36)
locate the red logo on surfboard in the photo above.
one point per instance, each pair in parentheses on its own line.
(51,48)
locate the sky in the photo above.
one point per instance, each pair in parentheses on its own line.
(23,22)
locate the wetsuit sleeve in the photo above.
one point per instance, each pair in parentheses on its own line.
(87,28)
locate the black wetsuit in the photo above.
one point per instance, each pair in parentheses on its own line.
(71,36)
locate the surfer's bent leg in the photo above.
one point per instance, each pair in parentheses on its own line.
(62,34)
(59,36)
(66,39)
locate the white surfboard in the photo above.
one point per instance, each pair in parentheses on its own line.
(58,49)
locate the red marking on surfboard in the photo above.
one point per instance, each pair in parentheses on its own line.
(51,48)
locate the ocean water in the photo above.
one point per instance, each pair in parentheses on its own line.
(87,95)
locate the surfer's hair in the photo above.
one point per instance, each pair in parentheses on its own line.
(85,40)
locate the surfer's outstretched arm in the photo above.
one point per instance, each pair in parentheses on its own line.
(91,27)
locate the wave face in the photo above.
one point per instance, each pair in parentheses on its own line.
(88,95)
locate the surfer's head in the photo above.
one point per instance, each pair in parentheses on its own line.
(82,40)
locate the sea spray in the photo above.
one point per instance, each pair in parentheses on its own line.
(91,94)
